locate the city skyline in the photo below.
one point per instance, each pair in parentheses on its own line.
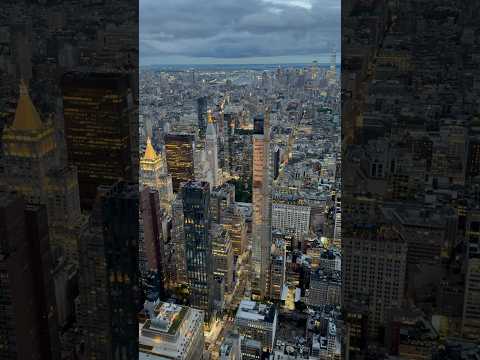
(247,32)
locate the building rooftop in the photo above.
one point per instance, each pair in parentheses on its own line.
(256,311)
(166,318)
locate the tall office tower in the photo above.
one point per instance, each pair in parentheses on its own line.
(314,70)
(153,239)
(211,143)
(235,223)
(198,245)
(98,115)
(179,150)
(44,287)
(262,209)
(108,264)
(19,333)
(170,331)
(221,198)
(202,104)
(222,255)
(28,316)
(178,239)
(34,169)
(277,271)
(374,267)
(471,306)
(332,71)
(153,173)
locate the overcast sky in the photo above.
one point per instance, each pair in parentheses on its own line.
(238,31)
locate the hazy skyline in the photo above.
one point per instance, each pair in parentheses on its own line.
(238,32)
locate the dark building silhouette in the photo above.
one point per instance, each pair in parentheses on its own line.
(28,314)
(202,106)
(98,117)
(198,245)
(152,216)
(108,264)
(179,150)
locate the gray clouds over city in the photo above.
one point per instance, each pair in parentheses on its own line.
(237,31)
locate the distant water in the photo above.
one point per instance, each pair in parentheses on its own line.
(230,67)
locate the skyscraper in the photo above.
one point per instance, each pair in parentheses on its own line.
(28,313)
(108,264)
(19,333)
(33,167)
(98,116)
(152,218)
(202,104)
(198,245)
(153,173)
(179,149)
(471,306)
(262,212)
(212,151)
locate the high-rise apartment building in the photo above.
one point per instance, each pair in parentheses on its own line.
(262,202)
(108,264)
(179,150)
(198,245)
(97,110)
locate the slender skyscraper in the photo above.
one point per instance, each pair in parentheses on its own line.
(198,245)
(212,150)
(202,104)
(262,209)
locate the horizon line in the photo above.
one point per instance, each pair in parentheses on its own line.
(237,64)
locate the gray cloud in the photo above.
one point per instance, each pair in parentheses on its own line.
(231,29)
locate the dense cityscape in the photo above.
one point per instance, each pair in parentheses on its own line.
(240,192)
(199,180)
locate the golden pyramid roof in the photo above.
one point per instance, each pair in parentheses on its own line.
(210,118)
(150,153)
(26,116)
